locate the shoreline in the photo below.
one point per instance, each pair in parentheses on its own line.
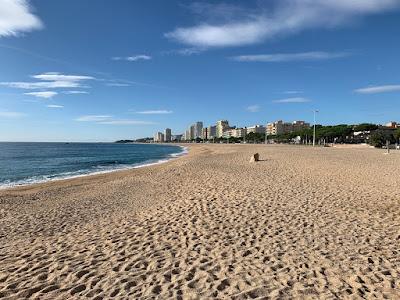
(144,164)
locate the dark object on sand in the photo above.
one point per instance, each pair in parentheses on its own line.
(255,157)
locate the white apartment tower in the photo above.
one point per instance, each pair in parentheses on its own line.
(198,130)
(222,125)
(159,137)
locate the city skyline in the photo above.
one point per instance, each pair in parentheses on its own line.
(222,129)
(163,64)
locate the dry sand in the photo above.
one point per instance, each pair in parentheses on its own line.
(303,223)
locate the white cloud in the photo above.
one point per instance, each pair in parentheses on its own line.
(93,118)
(55,76)
(253,108)
(117,84)
(55,106)
(235,26)
(186,51)
(40,85)
(292,100)
(11,114)
(75,92)
(16,17)
(133,57)
(45,94)
(51,80)
(289,57)
(378,89)
(109,120)
(293,92)
(155,112)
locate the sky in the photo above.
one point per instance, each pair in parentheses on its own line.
(80,70)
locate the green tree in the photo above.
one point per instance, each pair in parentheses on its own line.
(379,137)
(365,127)
(397,134)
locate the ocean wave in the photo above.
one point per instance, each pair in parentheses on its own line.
(87,172)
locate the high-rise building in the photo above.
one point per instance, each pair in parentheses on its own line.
(192,131)
(198,129)
(222,125)
(167,135)
(204,134)
(159,137)
(212,132)
(187,135)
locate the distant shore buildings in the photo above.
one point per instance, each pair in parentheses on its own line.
(393,125)
(222,130)
(299,131)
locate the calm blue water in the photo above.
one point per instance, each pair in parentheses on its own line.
(27,163)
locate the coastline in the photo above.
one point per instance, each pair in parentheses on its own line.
(59,177)
(301,223)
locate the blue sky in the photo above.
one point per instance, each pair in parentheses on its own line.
(104,70)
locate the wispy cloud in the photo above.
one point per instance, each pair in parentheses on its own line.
(55,76)
(292,100)
(11,114)
(133,57)
(185,51)
(55,106)
(110,120)
(292,92)
(227,25)
(118,84)
(155,112)
(50,80)
(253,108)
(16,17)
(127,83)
(44,94)
(290,57)
(378,89)
(93,118)
(75,92)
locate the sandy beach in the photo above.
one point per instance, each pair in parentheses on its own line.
(302,223)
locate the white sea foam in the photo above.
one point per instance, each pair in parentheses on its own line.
(98,170)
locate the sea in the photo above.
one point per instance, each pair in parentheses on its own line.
(30,163)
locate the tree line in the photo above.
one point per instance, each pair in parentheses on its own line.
(373,134)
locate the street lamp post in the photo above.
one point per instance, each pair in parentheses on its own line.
(314,111)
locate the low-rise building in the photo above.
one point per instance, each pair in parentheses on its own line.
(239,132)
(255,129)
(392,125)
(177,138)
(300,125)
(280,127)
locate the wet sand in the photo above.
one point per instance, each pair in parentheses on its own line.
(302,223)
